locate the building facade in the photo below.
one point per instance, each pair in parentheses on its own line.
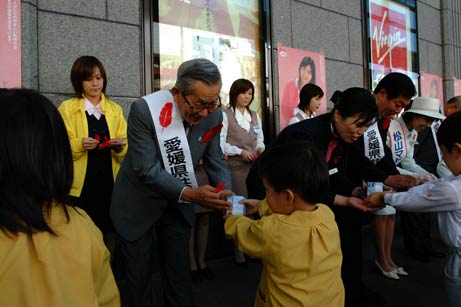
(120,34)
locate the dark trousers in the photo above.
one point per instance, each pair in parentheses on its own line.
(138,256)
(416,229)
(350,232)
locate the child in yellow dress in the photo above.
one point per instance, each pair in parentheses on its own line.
(51,254)
(297,238)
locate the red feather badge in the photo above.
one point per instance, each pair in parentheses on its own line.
(220,186)
(210,134)
(166,114)
(386,122)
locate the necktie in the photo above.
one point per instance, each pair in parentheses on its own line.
(331,147)
(187,127)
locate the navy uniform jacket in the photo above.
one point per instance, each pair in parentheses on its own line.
(317,131)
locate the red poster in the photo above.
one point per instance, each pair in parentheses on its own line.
(432,86)
(291,79)
(388,32)
(10,43)
(457,87)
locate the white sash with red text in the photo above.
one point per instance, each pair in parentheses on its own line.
(374,149)
(171,136)
(397,140)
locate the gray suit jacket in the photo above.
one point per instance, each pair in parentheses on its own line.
(143,189)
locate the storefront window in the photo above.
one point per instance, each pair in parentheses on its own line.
(392,39)
(227,32)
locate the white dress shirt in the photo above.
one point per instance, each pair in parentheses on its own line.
(94,110)
(295,118)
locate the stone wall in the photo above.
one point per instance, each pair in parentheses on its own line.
(55,33)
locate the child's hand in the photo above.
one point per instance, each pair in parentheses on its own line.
(252,205)
(375,200)
(224,194)
(360,192)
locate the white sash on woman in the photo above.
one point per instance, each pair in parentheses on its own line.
(397,140)
(171,136)
(374,149)
(434,127)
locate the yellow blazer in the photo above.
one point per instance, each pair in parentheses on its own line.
(73,113)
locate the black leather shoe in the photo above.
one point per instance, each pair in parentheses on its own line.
(196,276)
(243,264)
(207,273)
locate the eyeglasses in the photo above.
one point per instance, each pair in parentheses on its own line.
(211,107)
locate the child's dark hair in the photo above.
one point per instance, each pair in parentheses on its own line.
(298,166)
(82,70)
(36,168)
(308,92)
(353,101)
(396,84)
(449,131)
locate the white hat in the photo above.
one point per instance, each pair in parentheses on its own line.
(426,106)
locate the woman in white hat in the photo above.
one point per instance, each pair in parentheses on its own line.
(403,132)
(402,135)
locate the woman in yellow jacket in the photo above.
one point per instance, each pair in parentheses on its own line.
(97,133)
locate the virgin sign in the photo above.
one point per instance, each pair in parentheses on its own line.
(388,38)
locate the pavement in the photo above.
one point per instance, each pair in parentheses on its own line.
(235,286)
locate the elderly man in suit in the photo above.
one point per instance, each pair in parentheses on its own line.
(169,132)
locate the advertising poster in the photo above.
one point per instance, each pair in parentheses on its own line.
(296,68)
(432,86)
(225,32)
(10,43)
(457,87)
(392,40)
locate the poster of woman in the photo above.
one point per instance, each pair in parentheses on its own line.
(456,87)
(431,86)
(297,68)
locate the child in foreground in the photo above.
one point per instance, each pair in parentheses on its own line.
(297,238)
(51,255)
(442,196)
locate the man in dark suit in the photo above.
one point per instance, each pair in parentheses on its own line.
(169,132)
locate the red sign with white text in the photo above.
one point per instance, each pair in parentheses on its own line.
(388,38)
(10,43)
